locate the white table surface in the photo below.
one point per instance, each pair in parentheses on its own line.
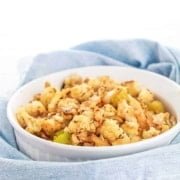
(31,27)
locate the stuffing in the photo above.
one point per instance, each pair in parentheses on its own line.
(135,138)
(72,80)
(160,118)
(123,109)
(99,141)
(68,106)
(150,133)
(36,108)
(111,130)
(95,84)
(88,113)
(47,94)
(75,139)
(133,88)
(21,116)
(162,121)
(131,128)
(92,103)
(145,96)
(28,122)
(138,112)
(106,111)
(81,138)
(81,123)
(81,92)
(95,112)
(123,139)
(52,106)
(164,127)
(50,126)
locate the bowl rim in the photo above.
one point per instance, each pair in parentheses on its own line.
(36,139)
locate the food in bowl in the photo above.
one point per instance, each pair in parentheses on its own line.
(41,149)
(95,112)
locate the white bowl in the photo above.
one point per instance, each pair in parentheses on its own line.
(40,149)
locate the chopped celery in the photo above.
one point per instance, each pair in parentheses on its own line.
(156,106)
(62,137)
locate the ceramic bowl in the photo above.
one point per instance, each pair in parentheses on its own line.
(43,150)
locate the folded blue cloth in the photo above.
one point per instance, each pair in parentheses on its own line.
(160,163)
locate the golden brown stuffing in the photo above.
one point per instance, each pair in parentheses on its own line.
(95,112)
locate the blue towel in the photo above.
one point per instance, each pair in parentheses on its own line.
(160,163)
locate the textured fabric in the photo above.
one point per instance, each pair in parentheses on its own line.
(160,163)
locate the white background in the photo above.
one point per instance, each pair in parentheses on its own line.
(28,27)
